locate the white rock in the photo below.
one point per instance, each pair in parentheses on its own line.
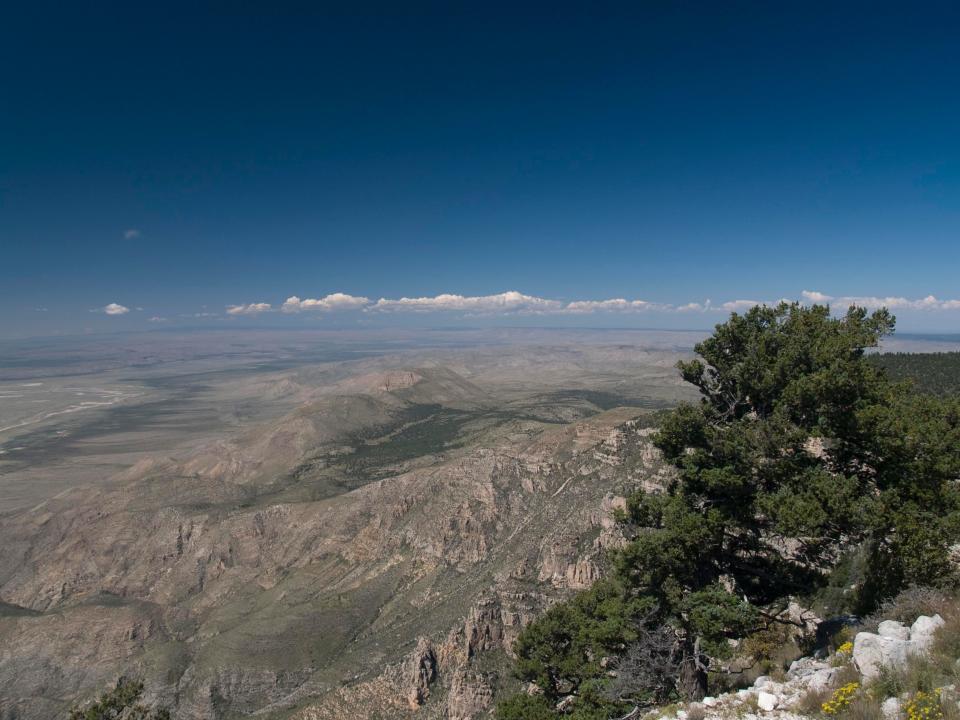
(710,701)
(805,666)
(821,679)
(890,708)
(767,701)
(762,680)
(745,693)
(893,629)
(681,715)
(871,652)
(923,629)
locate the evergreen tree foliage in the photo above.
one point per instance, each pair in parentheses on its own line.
(931,373)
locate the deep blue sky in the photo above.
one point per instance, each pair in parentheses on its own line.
(667,152)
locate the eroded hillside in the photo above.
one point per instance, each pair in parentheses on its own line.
(370,553)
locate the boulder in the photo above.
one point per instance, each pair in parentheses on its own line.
(872,652)
(767,701)
(893,629)
(805,667)
(923,630)
(821,679)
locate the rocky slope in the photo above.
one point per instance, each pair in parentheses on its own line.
(812,680)
(372,554)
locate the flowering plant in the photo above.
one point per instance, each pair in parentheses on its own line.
(842,698)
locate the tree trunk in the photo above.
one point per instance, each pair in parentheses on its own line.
(692,683)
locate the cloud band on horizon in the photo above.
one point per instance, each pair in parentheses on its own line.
(513,302)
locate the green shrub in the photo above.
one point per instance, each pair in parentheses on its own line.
(121,702)
(525,707)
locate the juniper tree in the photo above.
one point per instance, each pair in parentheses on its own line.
(798,449)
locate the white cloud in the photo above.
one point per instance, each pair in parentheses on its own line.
(157,319)
(512,302)
(871,302)
(740,305)
(251,309)
(694,307)
(516,303)
(816,297)
(131,234)
(578,307)
(115,309)
(333,301)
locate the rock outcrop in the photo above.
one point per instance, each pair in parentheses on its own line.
(770,699)
(420,673)
(893,644)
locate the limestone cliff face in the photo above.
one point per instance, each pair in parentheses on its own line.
(384,599)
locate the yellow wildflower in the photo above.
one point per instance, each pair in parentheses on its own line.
(925,706)
(841,699)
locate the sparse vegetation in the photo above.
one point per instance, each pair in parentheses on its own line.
(863,707)
(933,373)
(121,702)
(812,701)
(909,604)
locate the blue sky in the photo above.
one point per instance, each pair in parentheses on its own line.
(180,160)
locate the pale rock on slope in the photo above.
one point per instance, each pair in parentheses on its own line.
(892,645)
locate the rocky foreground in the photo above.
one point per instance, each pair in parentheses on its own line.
(812,683)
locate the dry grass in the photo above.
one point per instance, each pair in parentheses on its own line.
(847,674)
(911,604)
(951,711)
(749,706)
(864,707)
(811,701)
(947,641)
